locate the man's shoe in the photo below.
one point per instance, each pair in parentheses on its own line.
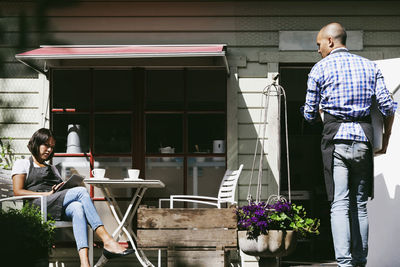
(111,255)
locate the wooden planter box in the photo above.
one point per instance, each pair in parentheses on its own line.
(192,237)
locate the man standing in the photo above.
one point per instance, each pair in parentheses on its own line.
(342,86)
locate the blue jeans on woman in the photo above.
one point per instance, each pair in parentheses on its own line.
(80,209)
(349,218)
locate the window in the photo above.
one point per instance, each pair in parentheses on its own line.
(161,121)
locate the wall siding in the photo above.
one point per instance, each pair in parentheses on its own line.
(249,28)
(21,107)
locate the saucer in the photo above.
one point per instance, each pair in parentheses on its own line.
(133,179)
(102,178)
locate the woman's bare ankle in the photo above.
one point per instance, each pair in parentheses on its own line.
(109,243)
(84,257)
(113,246)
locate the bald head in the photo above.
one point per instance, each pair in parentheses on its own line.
(335,31)
(330,37)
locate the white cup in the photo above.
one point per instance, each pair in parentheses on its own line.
(133,173)
(99,173)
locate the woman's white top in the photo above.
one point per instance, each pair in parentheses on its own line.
(21,166)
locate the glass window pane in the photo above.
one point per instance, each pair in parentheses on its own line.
(68,166)
(165,90)
(205,176)
(63,125)
(112,133)
(113,89)
(164,130)
(71,89)
(72,165)
(169,172)
(206,89)
(203,129)
(116,168)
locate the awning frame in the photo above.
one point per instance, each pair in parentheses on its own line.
(25,58)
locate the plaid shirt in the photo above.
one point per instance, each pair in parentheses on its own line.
(342,84)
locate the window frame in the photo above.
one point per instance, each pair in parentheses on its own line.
(138,114)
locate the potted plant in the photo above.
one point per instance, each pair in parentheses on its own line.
(26,239)
(271,230)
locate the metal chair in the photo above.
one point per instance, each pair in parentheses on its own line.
(226,193)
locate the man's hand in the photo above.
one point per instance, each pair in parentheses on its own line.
(387,124)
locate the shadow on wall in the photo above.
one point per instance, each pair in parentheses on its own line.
(25,26)
(6,117)
(383,210)
(18,108)
(41,23)
(2,41)
(22,26)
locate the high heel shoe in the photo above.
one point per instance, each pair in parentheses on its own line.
(111,255)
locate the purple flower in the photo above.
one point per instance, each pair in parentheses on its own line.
(258,218)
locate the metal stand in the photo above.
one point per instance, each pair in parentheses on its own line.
(275,90)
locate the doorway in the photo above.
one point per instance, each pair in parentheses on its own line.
(306,169)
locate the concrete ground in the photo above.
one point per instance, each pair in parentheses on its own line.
(68,257)
(308,264)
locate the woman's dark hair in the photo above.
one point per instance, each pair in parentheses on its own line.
(39,138)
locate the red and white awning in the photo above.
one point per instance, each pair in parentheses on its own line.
(57,56)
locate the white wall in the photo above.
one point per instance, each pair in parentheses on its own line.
(384,212)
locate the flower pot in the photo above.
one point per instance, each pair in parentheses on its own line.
(276,243)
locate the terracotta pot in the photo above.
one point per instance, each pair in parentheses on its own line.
(276,243)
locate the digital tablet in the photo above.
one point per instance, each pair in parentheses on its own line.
(73,181)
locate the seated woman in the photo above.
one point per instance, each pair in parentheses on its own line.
(34,177)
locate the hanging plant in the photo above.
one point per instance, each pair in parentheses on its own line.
(259,218)
(271,230)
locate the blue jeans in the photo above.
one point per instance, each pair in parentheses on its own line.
(349,218)
(80,209)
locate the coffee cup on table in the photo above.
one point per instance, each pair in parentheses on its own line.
(99,173)
(133,174)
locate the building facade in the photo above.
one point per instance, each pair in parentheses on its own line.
(261,38)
